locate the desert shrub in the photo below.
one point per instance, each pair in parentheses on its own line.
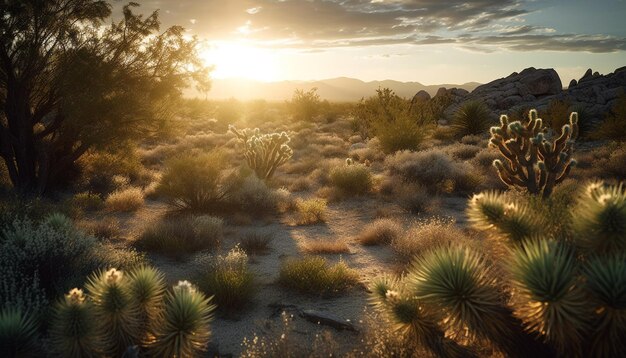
(311,211)
(263,152)
(463,151)
(228,279)
(381,231)
(177,236)
(401,134)
(87,201)
(125,200)
(255,243)
(101,169)
(470,119)
(485,157)
(312,246)
(196,182)
(229,111)
(351,178)
(614,125)
(314,275)
(304,105)
(424,236)
(18,334)
(434,169)
(252,196)
(414,198)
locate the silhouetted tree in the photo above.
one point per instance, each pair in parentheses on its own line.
(69,83)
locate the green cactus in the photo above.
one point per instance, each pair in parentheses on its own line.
(74,330)
(183,330)
(534,161)
(263,152)
(115,310)
(548,295)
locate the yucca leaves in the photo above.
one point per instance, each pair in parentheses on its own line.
(115,310)
(553,302)
(606,281)
(600,219)
(511,220)
(18,334)
(183,329)
(74,331)
(146,286)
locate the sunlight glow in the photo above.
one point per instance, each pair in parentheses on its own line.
(240,60)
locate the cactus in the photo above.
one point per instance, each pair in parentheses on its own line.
(534,161)
(184,327)
(263,152)
(74,331)
(548,295)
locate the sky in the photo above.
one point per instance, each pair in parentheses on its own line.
(428,41)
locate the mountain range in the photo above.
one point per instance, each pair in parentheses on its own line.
(340,89)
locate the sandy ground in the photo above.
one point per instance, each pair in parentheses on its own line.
(344,221)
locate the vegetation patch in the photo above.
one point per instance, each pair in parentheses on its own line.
(314,275)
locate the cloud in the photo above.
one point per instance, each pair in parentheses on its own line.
(477,25)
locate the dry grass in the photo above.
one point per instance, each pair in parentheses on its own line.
(105,228)
(381,231)
(314,275)
(426,235)
(311,211)
(325,247)
(125,200)
(256,243)
(351,179)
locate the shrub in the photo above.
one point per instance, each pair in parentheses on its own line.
(125,200)
(471,118)
(304,106)
(182,235)
(351,178)
(229,280)
(313,275)
(401,134)
(311,211)
(87,201)
(101,168)
(381,231)
(263,153)
(325,247)
(253,196)
(196,182)
(614,126)
(424,236)
(256,243)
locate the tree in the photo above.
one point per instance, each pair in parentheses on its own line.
(70,83)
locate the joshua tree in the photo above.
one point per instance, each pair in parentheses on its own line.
(534,161)
(264,152)
(547,296)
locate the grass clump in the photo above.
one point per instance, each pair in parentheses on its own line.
(177,236)
(424,236)
(228,279)
(255,243)
(325,247)
(351,178)
(381,231)
(313,275)
(125,200)
(87,201)
(311,211)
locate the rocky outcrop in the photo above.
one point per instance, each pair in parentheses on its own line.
(535,88)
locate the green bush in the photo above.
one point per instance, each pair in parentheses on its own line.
(178,236)
(125,200)
(351,178)
(311,211)
(471,118)
(304,106)
(87,201)
(313,275)
(229,280)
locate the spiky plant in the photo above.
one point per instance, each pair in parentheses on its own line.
(606,280)
(147,288)
(263,152)
(471,118)
(183,329)
(18,334)
(412,318)
(552,301)
(511,220)
(115,310)
(74,330)
(600,219)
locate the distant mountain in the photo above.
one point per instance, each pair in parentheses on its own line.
(340,89)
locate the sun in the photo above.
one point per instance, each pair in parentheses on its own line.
(241,60)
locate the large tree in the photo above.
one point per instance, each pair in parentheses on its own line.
(70,82)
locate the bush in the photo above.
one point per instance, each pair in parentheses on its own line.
(381,231)
(125,200)
(196,182)
(471,118)
(614,125)
(253,196)
(87,201)
(401,134)
(435,170)
(313,275)
(178,236)
(311,211)
(263,152)
(256,243)
(351,178)
(424,236)
(325,247)
(228,279)
(101,169)
(304,106)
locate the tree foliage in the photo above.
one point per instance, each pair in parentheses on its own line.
(69,83)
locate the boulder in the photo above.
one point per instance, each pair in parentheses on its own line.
(421,96)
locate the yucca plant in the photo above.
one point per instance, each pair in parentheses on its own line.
(183,329)
(471,118)
(18,334)
(115,310)
(74,330)
(147,289)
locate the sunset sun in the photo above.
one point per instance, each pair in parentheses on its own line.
(241,60)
